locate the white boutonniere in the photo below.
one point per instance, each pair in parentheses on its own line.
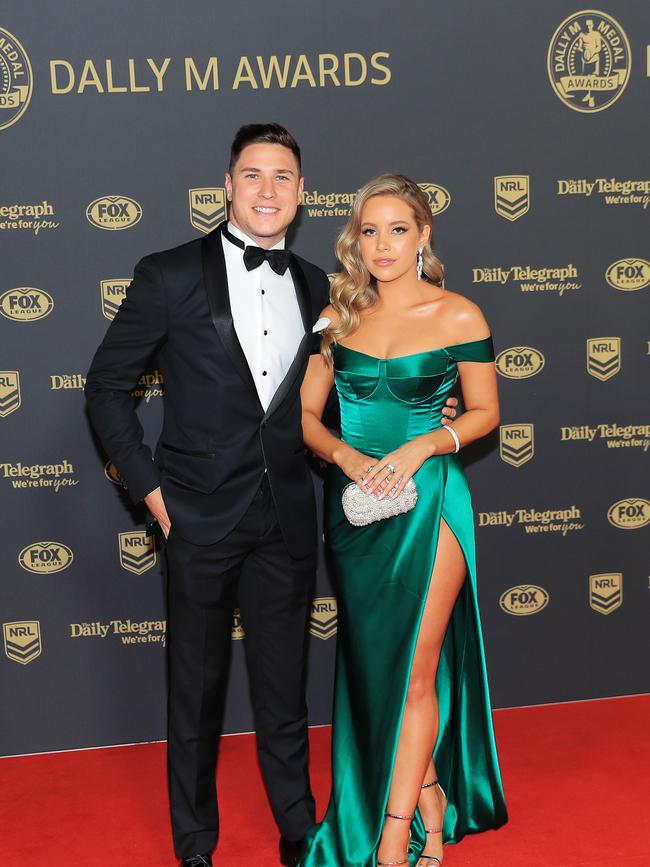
(321,325)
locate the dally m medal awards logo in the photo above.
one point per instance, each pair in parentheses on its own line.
(589,61)
(16,79)
(603,357)
(114,213)
(22,640)
(511,196)
(324,617)
(437,196)
(519,362)
(606,592)
(9,391)
(137,551)
(628,275)
(207,207)
(26,304)
(516,443)
(113,292)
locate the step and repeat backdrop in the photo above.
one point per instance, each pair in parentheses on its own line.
(525,124)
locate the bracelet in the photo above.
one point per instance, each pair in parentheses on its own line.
(454,435)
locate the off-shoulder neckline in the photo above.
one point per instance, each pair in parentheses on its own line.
(413,354)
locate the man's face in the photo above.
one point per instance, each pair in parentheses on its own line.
(264,189)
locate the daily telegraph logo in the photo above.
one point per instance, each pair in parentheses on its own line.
(324,617)
(519,362)
(632,191)
(22,640)
(531,278)
(45,557)
(630,514)
(438,197)
(511,196)
(9,392)
(26,304)
(27,476)
(207,207)
(137,551)
(628,275)
(516,443)
(130,632)
(616,436)
(589,61)
(524,599)
(16,79)
(606,592)
(535,521)
(603,357)
(29,218)
(113,292)
(114,213)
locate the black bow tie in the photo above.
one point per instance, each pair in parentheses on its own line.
(277,259)
(254,256)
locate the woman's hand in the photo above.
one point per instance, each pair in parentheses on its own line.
(404,462)
(354,464)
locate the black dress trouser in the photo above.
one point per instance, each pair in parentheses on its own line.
(250,567)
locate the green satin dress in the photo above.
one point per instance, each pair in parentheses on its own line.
(382,574)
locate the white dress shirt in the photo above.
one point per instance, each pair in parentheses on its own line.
(265,314)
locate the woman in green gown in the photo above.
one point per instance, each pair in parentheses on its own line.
(414,757)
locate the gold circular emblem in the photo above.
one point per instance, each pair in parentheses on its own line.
(16,79)
(589,61)
(438,197)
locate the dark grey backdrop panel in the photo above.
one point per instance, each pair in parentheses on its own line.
(561,493)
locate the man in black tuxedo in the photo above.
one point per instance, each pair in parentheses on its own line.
(229,318)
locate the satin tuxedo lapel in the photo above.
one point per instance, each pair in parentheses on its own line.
(304,303)
(215,279)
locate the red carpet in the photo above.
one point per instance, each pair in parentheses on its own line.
(576,779)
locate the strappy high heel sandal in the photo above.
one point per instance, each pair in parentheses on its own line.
(432,858)
(388,815)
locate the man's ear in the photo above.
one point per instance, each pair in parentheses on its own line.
(301,187)
(228,181)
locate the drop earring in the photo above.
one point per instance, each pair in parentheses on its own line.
(419,265)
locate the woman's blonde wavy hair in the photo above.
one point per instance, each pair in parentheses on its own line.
(354,288)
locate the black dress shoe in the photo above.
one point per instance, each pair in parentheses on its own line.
(197,861)
(289,851)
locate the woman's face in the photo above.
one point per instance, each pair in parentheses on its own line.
(389,238)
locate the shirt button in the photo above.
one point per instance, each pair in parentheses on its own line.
(263,373)
(262,292)
(265,333)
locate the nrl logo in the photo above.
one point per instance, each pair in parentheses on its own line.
(9,392)
(511,196)
(606,592)
(207,207)
(603,357)
(324,616)
(439,198)
(516,443)
(22,640)
(113,292)
(137,551)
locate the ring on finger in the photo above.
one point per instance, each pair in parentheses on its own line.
(390,468)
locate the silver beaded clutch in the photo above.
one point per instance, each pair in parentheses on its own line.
(362,509)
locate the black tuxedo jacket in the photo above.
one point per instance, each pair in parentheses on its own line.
(216,440)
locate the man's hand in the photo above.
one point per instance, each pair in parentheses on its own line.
(156,505)
(449,410)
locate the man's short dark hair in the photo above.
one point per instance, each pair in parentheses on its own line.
(262,133)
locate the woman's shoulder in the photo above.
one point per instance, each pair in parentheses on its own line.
(463,318)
